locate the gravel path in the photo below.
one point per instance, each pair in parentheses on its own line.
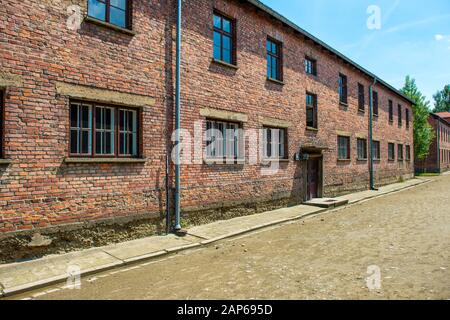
(406,235)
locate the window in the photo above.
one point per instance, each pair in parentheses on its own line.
(362,149)
(117,12)
(103,131)
(376,152)
(311,111)
(274,60)
(222,140)
(375,103)
(311,66)
(399,115)
(1,123)
(361,97)
(400,152)
(224,39)
(408,153)
(342,89)
(391,111)
(407,118)
(275,143)
(343,148)
(391,152)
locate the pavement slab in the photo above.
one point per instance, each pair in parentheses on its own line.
(222,229)
(22,276)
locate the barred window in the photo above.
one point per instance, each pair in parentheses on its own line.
(362,149)
(343,148)
(391,152)
(222,140)
(103,131)
(408,153)
(274,143)
(376,152)
(400,152)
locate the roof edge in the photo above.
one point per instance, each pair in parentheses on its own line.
(291,24)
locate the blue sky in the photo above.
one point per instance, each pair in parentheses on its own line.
(414,37)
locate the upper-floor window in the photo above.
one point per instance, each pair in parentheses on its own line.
(224,39)
(391,111)
(407,118)
(361,97)
(311,111)
(117,12)
(1,122)
(362,149)
(343,148)
(376,151)
(400,122)
(274,143)
(400,152)
(274,60)
(311,66)
(103,131)
(343,89)
(375,103)
(222,140)
(391,151)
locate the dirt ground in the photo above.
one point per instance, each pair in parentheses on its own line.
(406,235)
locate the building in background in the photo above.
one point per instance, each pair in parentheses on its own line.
(438,159)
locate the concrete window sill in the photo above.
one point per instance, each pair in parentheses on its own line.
(5,162)
(275,160)
(312,129)
(105,160)
(225,64)
(344,160)
(224,162)
(109,26)
(343,104)
(281,83)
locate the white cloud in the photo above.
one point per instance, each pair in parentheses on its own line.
(439,37)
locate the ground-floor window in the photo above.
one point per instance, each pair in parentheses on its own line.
(1,122)
(400,152)
(408,153)
(376,152)
(362,149)
(343,148)
(103,131)
(391,152)
(222,140)
(274,143)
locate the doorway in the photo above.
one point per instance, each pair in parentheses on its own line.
(313,179)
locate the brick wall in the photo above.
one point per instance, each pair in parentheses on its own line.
(38,189)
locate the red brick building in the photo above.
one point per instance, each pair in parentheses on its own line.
(438,159)
(88,112)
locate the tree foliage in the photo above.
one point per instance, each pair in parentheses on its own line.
(442,100)
(423,132)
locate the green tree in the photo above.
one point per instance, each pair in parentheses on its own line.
(423,132)
(442,100)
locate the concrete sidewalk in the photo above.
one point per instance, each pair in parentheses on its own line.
(20,277)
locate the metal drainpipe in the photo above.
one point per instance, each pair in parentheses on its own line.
(178,121)
(372,182)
